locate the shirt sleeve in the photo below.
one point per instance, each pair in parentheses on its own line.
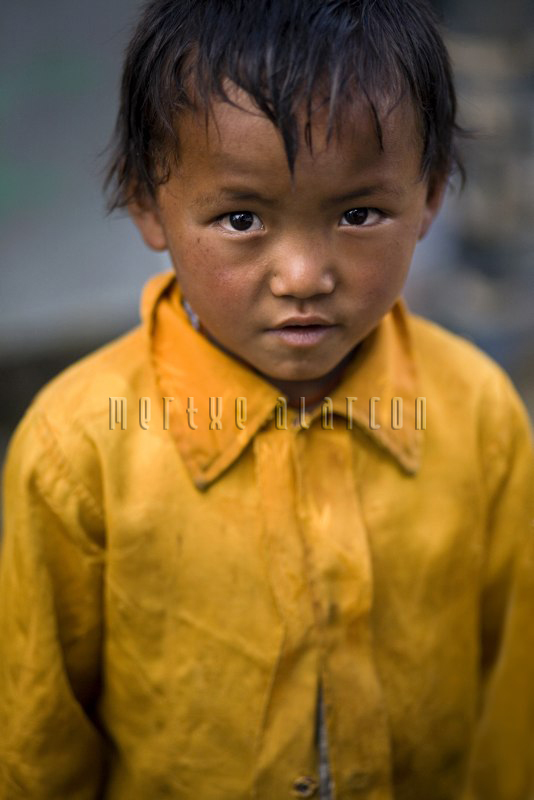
(502,761)
(50,624)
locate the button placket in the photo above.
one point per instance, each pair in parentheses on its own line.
(286,741)
(339,557)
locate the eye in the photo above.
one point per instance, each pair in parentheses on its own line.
(240,222)
(361,217)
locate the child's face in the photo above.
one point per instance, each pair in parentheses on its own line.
(291,277)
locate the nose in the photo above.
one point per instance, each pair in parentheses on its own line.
(302,270)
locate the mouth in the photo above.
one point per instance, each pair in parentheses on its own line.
(303,331)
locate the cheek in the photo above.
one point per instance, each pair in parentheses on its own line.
(196,264)
(216,289)
(380,273)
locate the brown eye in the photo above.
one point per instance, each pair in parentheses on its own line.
(356,216)
(363,217)
(241,220)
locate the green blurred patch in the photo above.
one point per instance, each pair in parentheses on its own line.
(48,75)
(26,186)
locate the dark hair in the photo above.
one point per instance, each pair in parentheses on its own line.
(284,53)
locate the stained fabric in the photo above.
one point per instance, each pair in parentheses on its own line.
(176,584)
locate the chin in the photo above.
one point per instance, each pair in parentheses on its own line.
(299,374)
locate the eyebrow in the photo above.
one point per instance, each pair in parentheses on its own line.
(227,194)
(366,191)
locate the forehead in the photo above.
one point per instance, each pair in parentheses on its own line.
(236,139)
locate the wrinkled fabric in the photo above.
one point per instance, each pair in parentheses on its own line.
(172,596)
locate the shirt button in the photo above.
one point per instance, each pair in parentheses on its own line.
(304,787)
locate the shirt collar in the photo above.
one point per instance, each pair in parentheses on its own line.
(187,365)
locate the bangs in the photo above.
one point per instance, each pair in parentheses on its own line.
(287,55)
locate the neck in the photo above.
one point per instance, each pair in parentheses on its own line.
(313,390)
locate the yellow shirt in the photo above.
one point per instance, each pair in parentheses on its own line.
(171,595)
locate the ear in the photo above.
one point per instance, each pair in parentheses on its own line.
(145,214)
(434,198)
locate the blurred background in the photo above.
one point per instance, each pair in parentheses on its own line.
(70,278)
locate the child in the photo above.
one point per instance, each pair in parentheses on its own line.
(277,541)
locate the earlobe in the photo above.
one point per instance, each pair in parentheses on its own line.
(434,199)
(146,217)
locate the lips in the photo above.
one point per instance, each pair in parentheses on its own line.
(303,331)
(303,322)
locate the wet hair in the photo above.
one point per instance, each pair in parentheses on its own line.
(285,54)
